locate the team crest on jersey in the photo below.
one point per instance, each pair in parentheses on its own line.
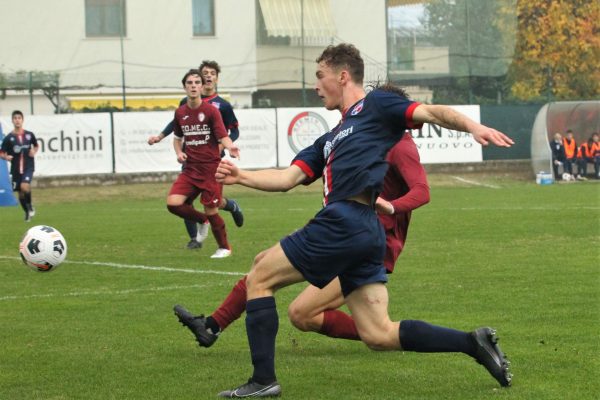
(201,117)
(28,136)
(358,108)
(216,104)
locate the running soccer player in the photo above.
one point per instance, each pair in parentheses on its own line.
(345,238)
(199,135)
(210,71)
(20,147)
(405,188)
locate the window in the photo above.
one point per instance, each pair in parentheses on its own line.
(203,17)
(105,18)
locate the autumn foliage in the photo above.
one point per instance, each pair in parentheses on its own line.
(557,54)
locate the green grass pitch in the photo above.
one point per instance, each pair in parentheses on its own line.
(520,257)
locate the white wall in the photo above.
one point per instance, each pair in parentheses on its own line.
(159,46)
(49,35)
(363,24)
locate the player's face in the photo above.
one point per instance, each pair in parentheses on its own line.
(17,121)
(328,87)
(211,78)
(193,86)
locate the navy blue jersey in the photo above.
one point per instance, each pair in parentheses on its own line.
(226,110)
(351,157)
(18,146)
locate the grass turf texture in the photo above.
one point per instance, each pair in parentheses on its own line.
(522,258)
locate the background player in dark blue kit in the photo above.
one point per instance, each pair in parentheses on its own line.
(210,72)
(20,147)
(345,239)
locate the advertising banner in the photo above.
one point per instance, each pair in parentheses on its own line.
(132,151)
(257,141)
(439,145)
(79,144)
(258,138)
(298,128)
(71,144)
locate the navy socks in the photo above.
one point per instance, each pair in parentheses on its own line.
(422,337)
(191,227)
(262,324)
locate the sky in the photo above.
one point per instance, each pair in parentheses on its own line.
(405,16)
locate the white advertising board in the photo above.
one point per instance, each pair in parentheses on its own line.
(132,151)
(257,141)
(78,144)
(258,138)
(439,145)
(298,128)
(70,144)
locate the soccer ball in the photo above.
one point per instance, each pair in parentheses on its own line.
(568,177)
(43,248)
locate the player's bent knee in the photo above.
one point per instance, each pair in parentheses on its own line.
(299,318)
(173,209)
(256,280)
(259,257)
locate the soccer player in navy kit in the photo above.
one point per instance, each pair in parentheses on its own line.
(345,238)
(210,71)
(405,188)
(199,132)
(20,147)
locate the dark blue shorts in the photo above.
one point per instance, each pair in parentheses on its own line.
(25,177)
(344,239)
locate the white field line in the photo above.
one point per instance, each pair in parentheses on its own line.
(100,292)
(458,178)
(143,267)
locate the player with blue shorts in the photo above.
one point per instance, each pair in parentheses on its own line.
(405,189)
(345,238)
(20,147)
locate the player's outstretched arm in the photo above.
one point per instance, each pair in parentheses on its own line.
(452,119)
(268,180)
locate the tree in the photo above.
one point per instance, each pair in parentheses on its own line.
(558,50)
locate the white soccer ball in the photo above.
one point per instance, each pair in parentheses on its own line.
(567,177)
(43,248)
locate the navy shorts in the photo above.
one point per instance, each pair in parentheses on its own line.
(345,240)
(25,177)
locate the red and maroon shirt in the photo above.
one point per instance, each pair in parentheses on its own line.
(200,128)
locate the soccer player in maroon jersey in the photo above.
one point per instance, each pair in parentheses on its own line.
(210,71)
(199,130)
(405,188)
